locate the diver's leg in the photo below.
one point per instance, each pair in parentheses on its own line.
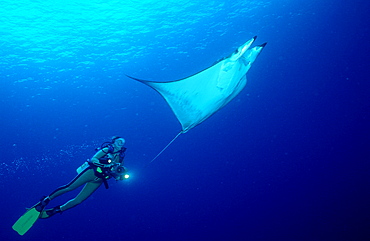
(84,177)
(88,189)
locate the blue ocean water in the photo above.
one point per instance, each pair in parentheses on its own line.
(287,159)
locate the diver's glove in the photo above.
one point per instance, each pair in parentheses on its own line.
(108,166)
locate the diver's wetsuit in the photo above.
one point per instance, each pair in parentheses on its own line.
(89,176)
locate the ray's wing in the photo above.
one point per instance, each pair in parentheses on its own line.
(191,98)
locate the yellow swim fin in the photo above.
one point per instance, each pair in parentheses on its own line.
(27,220)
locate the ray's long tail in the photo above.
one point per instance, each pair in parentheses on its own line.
(165,148)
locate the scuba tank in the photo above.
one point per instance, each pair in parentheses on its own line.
(83,167)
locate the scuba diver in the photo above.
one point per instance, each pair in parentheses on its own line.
(105,164)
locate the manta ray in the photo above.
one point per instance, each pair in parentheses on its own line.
(195,98)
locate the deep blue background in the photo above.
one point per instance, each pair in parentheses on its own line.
(287,159)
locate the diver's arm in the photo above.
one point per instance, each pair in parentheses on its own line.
(97,156)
